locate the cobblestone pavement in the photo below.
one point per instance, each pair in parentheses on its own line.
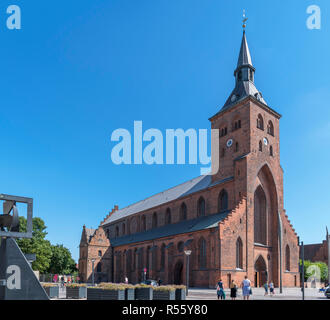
(258,294)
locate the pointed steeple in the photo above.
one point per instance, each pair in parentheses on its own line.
(244,75)
(244,57)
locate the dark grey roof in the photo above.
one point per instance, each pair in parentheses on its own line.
(182,190)
(187,226)
(243,88)
(244,57)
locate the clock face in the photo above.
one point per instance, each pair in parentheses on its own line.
(265,141)
(229,143)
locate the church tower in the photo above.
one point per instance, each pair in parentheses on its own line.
(249,155)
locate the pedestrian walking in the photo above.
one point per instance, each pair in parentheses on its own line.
(271,288)
(159,282)
(233,290)
(220,291)
(126,280)
(266,288)
(246,288)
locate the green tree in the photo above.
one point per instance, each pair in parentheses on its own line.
(61,261)
(37,244)
(310,271)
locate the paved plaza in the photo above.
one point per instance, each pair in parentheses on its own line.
(258,294)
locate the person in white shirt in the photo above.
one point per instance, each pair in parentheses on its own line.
(246,288)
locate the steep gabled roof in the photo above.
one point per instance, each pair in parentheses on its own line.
(179,191)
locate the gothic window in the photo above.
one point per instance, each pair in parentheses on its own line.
(260,216)
(201,207)
(183,212)
(223,201)
(99,267)
(260,146)
(143,222)
(154,220)
(271,150)
(180,246)
(123,229)
(154,259)
(117,231)
(239,253)
(129,261)
(168,218)
(162,257)
(223,132)
(202,253)
(100,253)
(270,128)
(287,258)
(237,125)
(260,122)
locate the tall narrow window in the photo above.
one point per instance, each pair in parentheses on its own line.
(271,150)
(223,201)
(287,258)
(162,257)
(123,229)
(236,147)
(168,218)
(202,253)
(183,212)
(154,220)
(117,231)
(260,122)
(260,146)
(239,253)
(99,267)
(143,223)
(270,128)
(201,207)
(260,216)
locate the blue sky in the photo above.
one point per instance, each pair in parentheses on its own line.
(74,73)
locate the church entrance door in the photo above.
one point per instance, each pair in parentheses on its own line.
(178,272)
(260,268)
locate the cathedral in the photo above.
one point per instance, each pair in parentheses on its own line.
(232,223)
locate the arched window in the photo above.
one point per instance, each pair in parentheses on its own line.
(201,207)
(239,253)
(180,246)
(270,128)
(162,257)
(143,223)
(202,253)
(183,212)
(154,256)
(271,150)
(154,220)
(123,229)
(117,231)
(260,216)
(223,201)
(260,122)
(168,218)
(100,253)
(129,261)
(287,258)
(99,267)
(260,145)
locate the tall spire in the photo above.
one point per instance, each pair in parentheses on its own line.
(244,57)
(244,75)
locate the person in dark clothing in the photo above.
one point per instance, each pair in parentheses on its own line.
(221,291)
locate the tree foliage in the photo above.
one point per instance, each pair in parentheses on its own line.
(49,258)
(321,270)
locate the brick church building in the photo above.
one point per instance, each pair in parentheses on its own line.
(233,222)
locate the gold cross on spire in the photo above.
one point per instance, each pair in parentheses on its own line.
(244,20)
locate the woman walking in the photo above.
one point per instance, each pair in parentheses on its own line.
(233,290)
(246,288)
(220,291)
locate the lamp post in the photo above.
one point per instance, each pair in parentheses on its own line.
(303,270)
(93,282)
(187,253)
